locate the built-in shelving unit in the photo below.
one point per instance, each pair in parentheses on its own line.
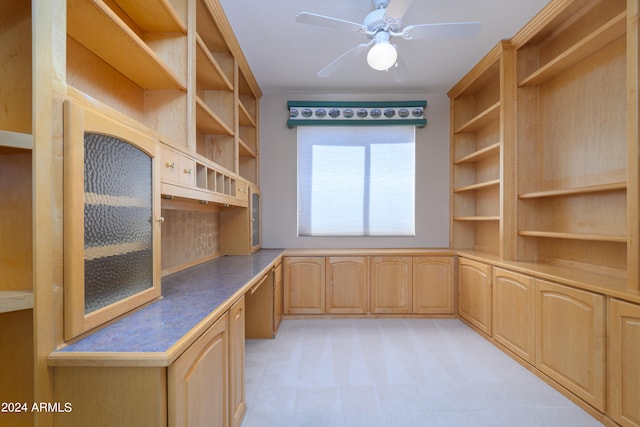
(477,135)
(216,111)
(16,209)
(140,69)
(572,188)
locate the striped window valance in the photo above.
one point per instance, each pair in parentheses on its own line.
(327,113)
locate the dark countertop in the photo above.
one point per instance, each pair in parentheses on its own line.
(188,298)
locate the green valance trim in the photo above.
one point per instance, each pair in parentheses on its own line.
(356,113)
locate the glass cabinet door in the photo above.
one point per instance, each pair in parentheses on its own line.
(118,234)
(111,227)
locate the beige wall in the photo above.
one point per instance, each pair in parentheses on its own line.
(279,188)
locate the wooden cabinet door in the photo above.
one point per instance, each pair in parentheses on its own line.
(237,403)
(433,285)
(347,286)
(199,379)
(304,289)
(624,362)
(278,302)
(474,294)
(570,341)
(391,284)
(513,297)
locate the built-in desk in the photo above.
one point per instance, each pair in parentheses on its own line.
(191,301)
(151,367)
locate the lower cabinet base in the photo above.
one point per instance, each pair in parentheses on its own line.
(104,396)
(368,316)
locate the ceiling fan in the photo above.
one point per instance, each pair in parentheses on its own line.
(380,25)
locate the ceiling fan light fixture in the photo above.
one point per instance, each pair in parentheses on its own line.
(382,55)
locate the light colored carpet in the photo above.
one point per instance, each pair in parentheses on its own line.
(394,372)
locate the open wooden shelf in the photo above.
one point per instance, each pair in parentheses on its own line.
(483,153)
(476,218)
(23,141)
(245,151)
(89,20)
(154,15)
(477,186)
(604,35)
(574,236)
(246,119)
(481,120)
(616,186)
(208,122)
(15,300)
(208,70)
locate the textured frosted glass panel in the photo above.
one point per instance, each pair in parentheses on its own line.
(117,221)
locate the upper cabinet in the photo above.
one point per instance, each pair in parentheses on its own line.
(482,132)
(111,222)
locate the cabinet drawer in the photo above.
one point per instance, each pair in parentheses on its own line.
(177,168)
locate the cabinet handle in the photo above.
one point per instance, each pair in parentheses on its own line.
(160,220)
(187,171)
(170,165)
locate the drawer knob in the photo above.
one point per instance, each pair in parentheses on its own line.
(170,165)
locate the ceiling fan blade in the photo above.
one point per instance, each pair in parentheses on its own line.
(453,30)
(327,21)
(340,61)
(395,11)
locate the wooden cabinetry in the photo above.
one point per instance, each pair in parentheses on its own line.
(623,367)
(16,210)
(433,285)
(570,341)
(304,285)
(482,129)
(112,219)
(241,233)
(203,386)
(189,176)
(474,293)
(237,403)
(347,287)
(573,199)
(361,284)
(278,297)
(131,58)
(391,284)
(262,307)
(226,97)
(513,301)
(198,381)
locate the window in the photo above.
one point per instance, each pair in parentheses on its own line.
(356,181)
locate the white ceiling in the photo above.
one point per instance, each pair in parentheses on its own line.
(285,55)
